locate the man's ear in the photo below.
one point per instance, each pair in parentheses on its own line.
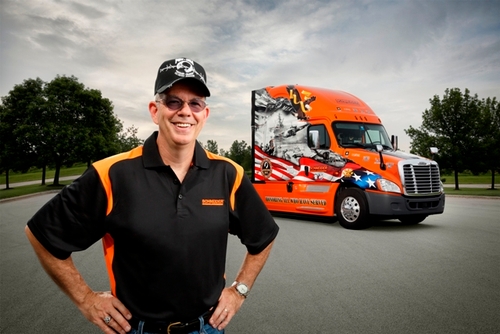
(153,111)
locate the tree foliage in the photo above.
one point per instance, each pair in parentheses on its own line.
(240,152)
(488,150)
(128,139)
(16,153)
(56,123)
(212,146)
(459,125)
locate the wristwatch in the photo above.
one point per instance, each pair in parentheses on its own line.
(241,288)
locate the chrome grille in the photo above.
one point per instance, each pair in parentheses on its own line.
(421,179)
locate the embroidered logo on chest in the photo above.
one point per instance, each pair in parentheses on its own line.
(212,201)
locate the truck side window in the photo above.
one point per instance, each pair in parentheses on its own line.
(319,134)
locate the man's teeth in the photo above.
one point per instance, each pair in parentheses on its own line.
(183,125)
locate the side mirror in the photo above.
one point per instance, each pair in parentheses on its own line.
(379,149)
(434,150)
(394,142)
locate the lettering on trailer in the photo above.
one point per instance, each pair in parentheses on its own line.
(347,101)
(291,200)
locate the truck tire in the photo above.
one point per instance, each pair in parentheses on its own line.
(351,209)
(412,220)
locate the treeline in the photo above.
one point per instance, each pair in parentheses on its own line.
(465,129)
(58,123)
(61,122)
(240,152)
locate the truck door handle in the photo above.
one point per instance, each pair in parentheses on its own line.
(289,187)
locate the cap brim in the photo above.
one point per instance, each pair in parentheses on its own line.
(199,83)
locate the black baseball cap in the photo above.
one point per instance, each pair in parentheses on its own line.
(174,70)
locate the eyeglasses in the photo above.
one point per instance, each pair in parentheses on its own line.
(176,104)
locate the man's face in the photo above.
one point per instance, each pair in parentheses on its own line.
(181,127)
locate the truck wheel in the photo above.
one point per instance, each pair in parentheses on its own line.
(412,220)
(351,209)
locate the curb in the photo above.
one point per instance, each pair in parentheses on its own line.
(10,199)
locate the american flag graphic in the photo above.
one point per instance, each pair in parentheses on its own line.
(278,169)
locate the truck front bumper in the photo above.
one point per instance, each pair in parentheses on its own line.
(382,204)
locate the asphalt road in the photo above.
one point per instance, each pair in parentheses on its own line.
(441,276)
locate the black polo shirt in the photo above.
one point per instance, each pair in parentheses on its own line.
(164,242)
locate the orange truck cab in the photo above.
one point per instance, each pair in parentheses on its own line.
(326,153)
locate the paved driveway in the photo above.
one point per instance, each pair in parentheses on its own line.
(441,276)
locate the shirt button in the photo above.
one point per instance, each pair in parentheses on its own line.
(180,196)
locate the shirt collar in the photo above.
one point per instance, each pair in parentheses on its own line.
(152,159)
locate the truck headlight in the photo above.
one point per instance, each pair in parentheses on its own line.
(388,186)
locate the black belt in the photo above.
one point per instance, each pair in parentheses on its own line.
(170,328)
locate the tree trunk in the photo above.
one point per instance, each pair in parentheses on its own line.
(493,179)
(7,179)
(44,171)
(456,180)
(56,175)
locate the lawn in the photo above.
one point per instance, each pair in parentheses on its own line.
(36,174)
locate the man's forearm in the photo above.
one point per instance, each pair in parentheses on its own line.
(62,272)
(95,306)
(230,300)
(252,266)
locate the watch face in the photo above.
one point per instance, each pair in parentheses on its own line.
(242,288)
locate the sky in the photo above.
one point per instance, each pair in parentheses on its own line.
(393,55)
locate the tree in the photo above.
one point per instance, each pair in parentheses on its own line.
(241,153)
(55,124)
(81,125)
(488,152)
(223,153)
(451,125)
(212,146)
(98,128)
(24,103)
(128,139)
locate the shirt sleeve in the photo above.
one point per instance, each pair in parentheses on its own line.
(74,219)
(251,220)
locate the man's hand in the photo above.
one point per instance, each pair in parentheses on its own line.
(97,306)
(229,304)
(230,300)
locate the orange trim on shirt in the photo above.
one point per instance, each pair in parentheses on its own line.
(102,167)
(239,175)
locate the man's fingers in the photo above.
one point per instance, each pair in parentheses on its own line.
(221,318)
(122,327)
(118,322)
(122,309)
(229,304)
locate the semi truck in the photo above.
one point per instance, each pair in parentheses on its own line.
(326,153)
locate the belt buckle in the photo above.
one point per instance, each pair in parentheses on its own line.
(172,324)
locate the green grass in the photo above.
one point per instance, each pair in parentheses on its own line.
(464,191)
(35,175)
(31,189)
(465,178)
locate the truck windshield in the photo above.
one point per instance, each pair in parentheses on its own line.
(362,135)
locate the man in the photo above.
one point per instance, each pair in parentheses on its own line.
(163,211)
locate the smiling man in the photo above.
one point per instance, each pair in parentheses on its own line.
(163,211)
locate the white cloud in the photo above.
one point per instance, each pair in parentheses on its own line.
(393,55)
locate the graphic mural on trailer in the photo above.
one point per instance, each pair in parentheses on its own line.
(281,149)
